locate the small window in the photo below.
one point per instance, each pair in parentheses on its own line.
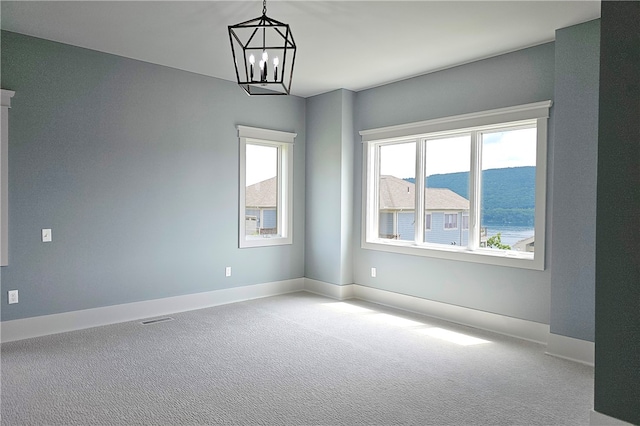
(427,222)
(450,221)
(266,187)
(465,221)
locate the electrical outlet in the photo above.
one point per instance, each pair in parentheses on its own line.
(227,271)
(13,296)
(373,272)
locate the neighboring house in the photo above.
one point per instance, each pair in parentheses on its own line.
(446,213)
(260,207)
(525,245)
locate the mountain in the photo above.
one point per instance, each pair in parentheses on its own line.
(508,195)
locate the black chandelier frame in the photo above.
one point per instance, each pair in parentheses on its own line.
(255,37)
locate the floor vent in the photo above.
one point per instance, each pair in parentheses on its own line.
(154,321)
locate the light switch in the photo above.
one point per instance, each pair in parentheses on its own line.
(46,235)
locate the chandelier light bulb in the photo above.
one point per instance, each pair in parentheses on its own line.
(265,56)
(263,71)
(276,61)
(252,60)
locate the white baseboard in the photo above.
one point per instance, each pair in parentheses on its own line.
(572,349)
(340,292)
(599,419)
(76,320)
(522,329)
(560,346)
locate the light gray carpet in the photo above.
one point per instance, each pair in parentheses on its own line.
(288,360)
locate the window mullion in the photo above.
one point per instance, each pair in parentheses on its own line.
(419,211)
(475,187)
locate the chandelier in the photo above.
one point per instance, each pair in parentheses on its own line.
(263,55)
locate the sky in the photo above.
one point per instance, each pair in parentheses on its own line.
(261,163)
(513,148)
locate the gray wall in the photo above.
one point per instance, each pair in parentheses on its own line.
(617,366)
(512,79)
(348,159)
(329,187)
(574,180)
(133,167)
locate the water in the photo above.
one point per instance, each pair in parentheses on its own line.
(510,234)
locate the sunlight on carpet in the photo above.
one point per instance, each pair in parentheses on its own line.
(453,337)
(398,321)
(347,307)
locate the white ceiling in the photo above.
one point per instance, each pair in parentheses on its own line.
(341,44)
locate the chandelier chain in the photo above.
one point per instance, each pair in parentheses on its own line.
(264,7)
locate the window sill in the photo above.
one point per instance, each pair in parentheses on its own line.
(265,242)
(505,258)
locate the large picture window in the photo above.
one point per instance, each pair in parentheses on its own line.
(266,185)
(479,179)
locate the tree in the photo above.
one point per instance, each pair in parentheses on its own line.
(496,242)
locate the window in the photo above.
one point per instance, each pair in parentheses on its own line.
(465,221)
(451,221)
(479,178)
(266,187)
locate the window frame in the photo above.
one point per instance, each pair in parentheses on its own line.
(5,104)
(527,115)
(284,142)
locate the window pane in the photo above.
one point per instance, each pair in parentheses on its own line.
(447,189)
(397,191)
(386,225)
(261,193)
(508,190)
(406,226)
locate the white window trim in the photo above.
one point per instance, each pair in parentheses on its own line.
(284,141)
(5,103)
(535,113)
